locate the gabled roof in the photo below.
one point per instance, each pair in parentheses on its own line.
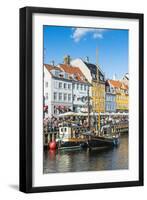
(51,67)
(125,86)
(93,69)
(118,84)
(73,70)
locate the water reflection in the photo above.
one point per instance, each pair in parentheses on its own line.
(86,160)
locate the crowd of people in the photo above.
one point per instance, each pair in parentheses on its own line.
(53,123)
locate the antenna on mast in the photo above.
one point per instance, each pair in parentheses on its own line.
(97,64)
(44,55)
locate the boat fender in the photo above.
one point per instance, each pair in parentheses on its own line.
(52,145)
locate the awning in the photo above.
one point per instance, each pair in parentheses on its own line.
(67,114)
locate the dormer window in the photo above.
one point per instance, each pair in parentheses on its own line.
(66,75)
(75,76)
(101,78)
(107,89)
(93,76)
(61,75)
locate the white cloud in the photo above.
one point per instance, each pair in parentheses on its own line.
(97,35)
(79,33)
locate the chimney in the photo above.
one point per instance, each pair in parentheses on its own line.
(53,62)
(67,60)
(87,59)
(114,77)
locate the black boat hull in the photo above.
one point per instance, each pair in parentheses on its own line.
(90,143)
(103,142)
(72,145)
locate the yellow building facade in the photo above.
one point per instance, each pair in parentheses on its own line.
(122,101)
(122,96)
(96,78)
(98,96)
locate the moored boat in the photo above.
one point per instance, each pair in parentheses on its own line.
(99,140)
(103,141)
(70,137)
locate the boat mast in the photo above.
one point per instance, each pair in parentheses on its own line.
(88,108)
(98,99)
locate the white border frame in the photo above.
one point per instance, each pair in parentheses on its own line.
(132,174)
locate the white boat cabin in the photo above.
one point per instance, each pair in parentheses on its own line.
(65,132)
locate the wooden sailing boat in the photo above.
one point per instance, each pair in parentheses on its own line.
(100,139)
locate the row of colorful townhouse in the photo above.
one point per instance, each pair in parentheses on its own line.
(68,86)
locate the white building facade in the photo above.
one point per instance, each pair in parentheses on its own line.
(79,62)
(57,92)
(80,96)
(80,86)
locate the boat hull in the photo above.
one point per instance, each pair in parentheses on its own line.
(71,144)
(103,142)
(93,142)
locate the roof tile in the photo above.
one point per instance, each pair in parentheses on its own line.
(118,84)
(73,70)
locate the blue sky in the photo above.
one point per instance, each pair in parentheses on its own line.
(81,42)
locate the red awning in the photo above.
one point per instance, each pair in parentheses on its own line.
(45,107)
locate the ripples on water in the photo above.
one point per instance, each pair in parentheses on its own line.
(86,160)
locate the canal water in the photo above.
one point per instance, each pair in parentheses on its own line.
(86,160)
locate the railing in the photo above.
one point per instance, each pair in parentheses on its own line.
(52,133)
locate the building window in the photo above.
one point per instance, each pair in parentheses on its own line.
(74,85)
(81,87)
(94,76)
(112,107)
(46,96)
(65,85)
(55,84)
(65,97)
(55,95)
(107,89)
(111,98)
(107,98)
(77,86)
(69,97)
(60,85)
(85,87)
(55,110)
(60,96)
(101,78)
(46,84)
(69,86)
(74,97)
